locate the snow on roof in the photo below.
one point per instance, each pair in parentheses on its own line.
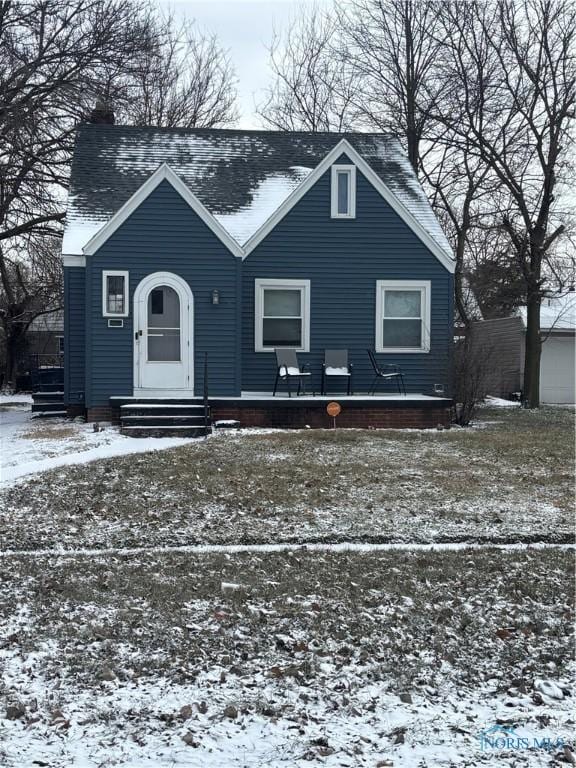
(557,313)
(79,229)
(266,198)
(241,177)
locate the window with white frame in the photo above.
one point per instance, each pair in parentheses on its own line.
(343,203)
(114,293)
(282,314)
(402,316)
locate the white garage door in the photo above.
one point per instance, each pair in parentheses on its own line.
(557,381)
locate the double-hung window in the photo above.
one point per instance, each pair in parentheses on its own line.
(282,314)
(343,197)
(114,293)
(402,315)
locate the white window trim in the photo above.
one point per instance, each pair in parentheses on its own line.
(259,286)
(351,170)
(106,273)
(399,285)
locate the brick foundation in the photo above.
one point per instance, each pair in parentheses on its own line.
(103,413)
(75,410)
(395,413)
(369,417)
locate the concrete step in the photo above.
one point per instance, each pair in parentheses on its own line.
(162,420)
(47,396)
(161,409)
(119,401)
(163,431)
(42,387)
(45,407)
(48,414)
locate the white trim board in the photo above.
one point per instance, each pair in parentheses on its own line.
(163,173)
(71,260)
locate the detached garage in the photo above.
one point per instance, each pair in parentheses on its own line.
(557,380)
(504,337)
(558,326)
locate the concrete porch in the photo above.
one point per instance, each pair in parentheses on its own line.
(140,416)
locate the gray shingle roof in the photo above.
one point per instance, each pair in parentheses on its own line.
(240,176)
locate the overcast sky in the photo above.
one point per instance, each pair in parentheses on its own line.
(245,27)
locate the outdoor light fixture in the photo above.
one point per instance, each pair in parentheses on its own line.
(215,296)
(438,389)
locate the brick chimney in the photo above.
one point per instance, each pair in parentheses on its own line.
(102,114)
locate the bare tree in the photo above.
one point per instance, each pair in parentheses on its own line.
(473,362)
(31,272)
(395,49)
(186,82)
(513,64)
(54,56)
(461,194)
(493,274)
(313,87)
(57,58)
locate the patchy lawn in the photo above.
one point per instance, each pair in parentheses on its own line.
(508,479)
(341,659)
(293,659)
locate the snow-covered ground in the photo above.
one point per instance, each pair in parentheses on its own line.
(29,446)
(286,659)
(147,724)
(22,398)
(157,639)
(500,402)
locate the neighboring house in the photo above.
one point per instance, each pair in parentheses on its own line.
(43,347)
(226,242)
(45,338)
(504,339)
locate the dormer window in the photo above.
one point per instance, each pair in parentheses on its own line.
(343,192)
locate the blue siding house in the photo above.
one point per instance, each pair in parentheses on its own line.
(194,250)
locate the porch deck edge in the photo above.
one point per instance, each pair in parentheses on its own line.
(251,401)
(408,402)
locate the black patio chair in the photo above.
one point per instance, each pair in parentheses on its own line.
(336,365)
(289,370)
(385,373)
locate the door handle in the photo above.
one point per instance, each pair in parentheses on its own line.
(137,335)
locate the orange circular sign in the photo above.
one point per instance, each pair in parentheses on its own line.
(333,409)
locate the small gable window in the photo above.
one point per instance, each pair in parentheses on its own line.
(282,314)
(114,293)
(343,203)
(402,316)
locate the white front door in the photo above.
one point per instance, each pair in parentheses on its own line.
(163,336)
